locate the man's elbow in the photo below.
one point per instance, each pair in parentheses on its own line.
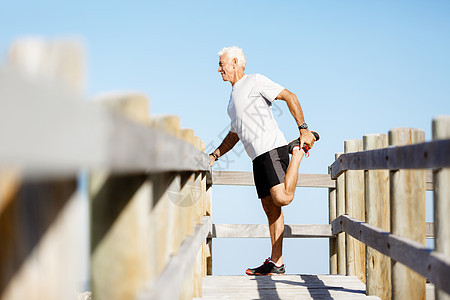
(287,96)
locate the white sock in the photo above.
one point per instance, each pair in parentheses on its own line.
(276,265)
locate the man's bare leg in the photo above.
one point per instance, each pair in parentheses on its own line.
(283,193)
(276,228)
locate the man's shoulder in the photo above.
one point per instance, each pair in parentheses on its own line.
(257,76)
(258,79)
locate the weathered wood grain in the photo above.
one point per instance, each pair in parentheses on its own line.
(288,287)
(262,231)
(377,211)
(333,241)
(441,196)
(340,210)
(246,178)
(58,61)
(41,240)
(120,218)
(407,210)
(41,231)
(87,137)
(420,156)
(430,264)
(354,205)
(168,284)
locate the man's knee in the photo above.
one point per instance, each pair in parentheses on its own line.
(283,200)
(281,197)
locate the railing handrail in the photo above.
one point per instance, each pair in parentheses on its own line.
(393,203)
(428,263)
(169,283)
(262,231)
(429,155)
(290,231)
(134,164)
(92,137)
(246,178)
(304,180)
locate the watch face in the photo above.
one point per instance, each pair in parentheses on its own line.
(303,126)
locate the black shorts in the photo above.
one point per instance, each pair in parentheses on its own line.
(269,169)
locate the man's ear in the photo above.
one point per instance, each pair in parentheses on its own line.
(235,61)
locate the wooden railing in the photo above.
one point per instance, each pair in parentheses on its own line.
(148,187)
(150,198)
(380,202)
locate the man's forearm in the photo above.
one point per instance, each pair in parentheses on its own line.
(227,144)
(295,109)
(293,105)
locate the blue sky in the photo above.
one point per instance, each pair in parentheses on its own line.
(357,67)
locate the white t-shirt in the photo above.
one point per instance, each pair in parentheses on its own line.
(250,111)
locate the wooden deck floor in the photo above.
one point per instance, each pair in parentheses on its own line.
(316,287)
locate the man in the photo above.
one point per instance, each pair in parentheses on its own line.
(252,122)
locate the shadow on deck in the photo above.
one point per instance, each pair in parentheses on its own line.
(316,287)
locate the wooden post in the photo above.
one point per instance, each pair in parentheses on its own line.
(209,242)
(376,183)
(441,179)
(408,204)
(41,219)
(188,208)
(354,203)
(120,205)
(164,227)
(196,194)
(340,210)
(332,241)
(59,61)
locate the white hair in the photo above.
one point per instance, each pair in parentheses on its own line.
(234,52)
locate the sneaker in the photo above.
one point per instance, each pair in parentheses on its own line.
(296,142)
(267,268)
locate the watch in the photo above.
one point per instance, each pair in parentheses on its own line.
(303,126)
(216,157)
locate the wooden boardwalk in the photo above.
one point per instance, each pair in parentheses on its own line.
(284,287)
(316,287)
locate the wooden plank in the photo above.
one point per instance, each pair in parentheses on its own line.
(408,206)
(354,205)
(429,181)
(209,242)
(333,241)
(340,210)
(56,61)
(120,206)
(168,284)
(430,155)
(246,178)
(430,230)
(290,231)
(430,264)
(39,226)
(41,218)
(377,211)
(262,231)
(441,196)
(166,237)
(134,106)
(284,287)
(121,228)
(90,137)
